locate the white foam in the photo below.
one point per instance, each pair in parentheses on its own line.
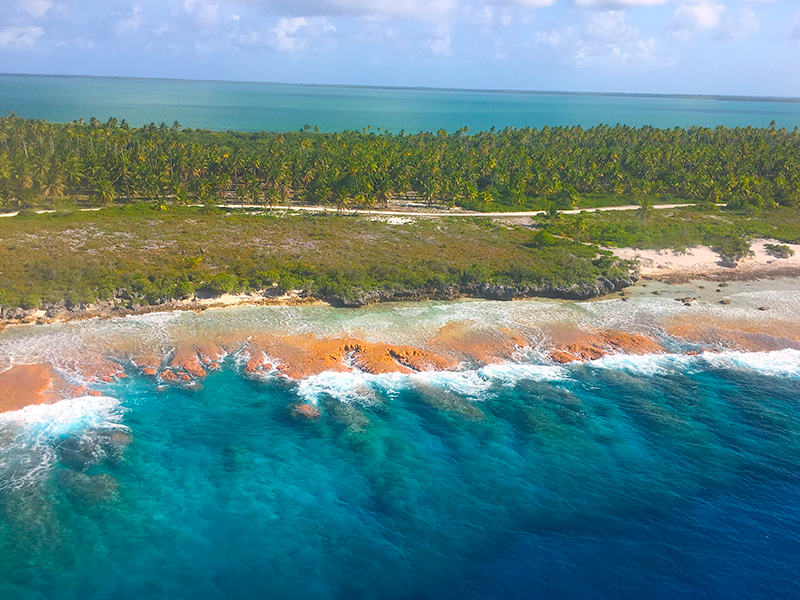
(780,363)
(509,373)
(27,436)
(353,386)
(360,387)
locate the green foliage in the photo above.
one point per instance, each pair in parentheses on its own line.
(30,301)
(542,239)
(142,256)
(779,250)
(221,283)
(103,164)
(733,249)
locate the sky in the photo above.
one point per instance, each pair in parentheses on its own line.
(731,47)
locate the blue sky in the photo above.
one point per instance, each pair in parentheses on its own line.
(740,47)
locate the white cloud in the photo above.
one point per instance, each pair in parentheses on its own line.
(607,39)
(696,14)
(35,8)
(611,4)
(84,44)
(424,10)
(740,24)
(206,15)
(440,42)
(161,29)
(19,37)
(131,23)
(294,34)
(528,3)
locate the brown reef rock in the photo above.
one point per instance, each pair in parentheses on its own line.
(28,385)
(478,344)
(301,356)
(738,334)
(593,345)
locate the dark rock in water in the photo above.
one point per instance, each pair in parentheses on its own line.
(114,442)
(725,301)
(232,459)
(89,488)
(763,308)
(79,452)
(447,401)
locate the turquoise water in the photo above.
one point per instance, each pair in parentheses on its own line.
(274,107)
(598,485)
(632,477)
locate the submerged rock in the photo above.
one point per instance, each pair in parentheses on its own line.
(79,452)
(93,447)
(305,411)
(89,488)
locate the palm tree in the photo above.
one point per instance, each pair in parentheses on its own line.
(645,208)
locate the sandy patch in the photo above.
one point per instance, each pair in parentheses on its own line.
(701,262)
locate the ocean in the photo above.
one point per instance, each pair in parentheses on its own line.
(236,106)
(657,476)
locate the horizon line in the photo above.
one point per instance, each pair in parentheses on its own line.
(721,97)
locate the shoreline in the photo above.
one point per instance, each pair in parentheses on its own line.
(60,313)
(661,266)
(644,320)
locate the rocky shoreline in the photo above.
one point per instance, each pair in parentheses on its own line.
(66,311)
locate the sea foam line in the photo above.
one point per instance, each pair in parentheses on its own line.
(361,387)
(778,363)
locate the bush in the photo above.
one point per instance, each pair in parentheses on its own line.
(542,239)
(733,249)
(221,283)
(779,250)
(184,289)
(30,301)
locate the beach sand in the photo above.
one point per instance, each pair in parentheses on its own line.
(701,262)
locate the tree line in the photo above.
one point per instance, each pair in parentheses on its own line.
(110,162)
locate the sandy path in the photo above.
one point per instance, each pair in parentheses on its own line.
(410,213)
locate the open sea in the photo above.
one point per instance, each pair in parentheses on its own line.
(664,476)
(236,106)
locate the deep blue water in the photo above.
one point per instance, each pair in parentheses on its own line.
(596,482)
(277,107)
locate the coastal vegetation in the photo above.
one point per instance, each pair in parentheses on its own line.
(141,255)
(107,163)
(166,231)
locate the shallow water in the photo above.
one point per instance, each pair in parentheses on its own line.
(630,477)
(239,106)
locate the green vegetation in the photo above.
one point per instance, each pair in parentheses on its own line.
(677,228)
(140,255)
(149,245)
(107,163)
(779,250)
